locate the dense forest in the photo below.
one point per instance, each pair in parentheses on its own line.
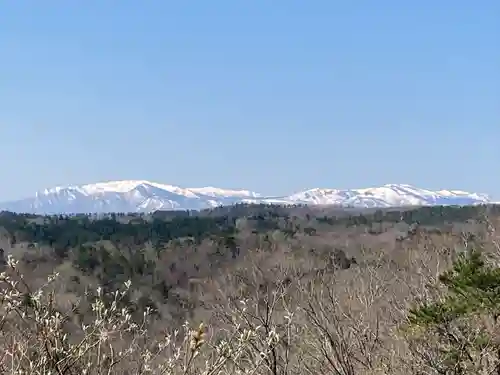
(277,290)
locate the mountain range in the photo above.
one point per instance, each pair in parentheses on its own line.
(147,196)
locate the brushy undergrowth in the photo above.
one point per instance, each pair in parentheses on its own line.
(364,321)
(35,338)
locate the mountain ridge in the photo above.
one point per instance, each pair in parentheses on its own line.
(148,196)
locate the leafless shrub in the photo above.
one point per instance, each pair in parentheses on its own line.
(35,338)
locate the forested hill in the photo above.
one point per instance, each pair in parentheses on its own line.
(194,265)
(230,228)
(162,251)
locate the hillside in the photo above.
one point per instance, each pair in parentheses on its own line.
(146,196)
(340,276)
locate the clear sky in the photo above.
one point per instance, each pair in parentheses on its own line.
(273,96)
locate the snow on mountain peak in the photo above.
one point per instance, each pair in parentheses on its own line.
(122,186)
(214,192)
(113,186)
(147,196)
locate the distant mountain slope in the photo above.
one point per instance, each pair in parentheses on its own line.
(147,196)
(390,195)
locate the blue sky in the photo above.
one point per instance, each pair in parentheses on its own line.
(273,96)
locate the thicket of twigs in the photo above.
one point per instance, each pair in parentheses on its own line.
(327,324)
(430,308)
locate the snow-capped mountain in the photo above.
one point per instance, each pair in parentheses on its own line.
(390,195)
(125,196)
(146,196)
